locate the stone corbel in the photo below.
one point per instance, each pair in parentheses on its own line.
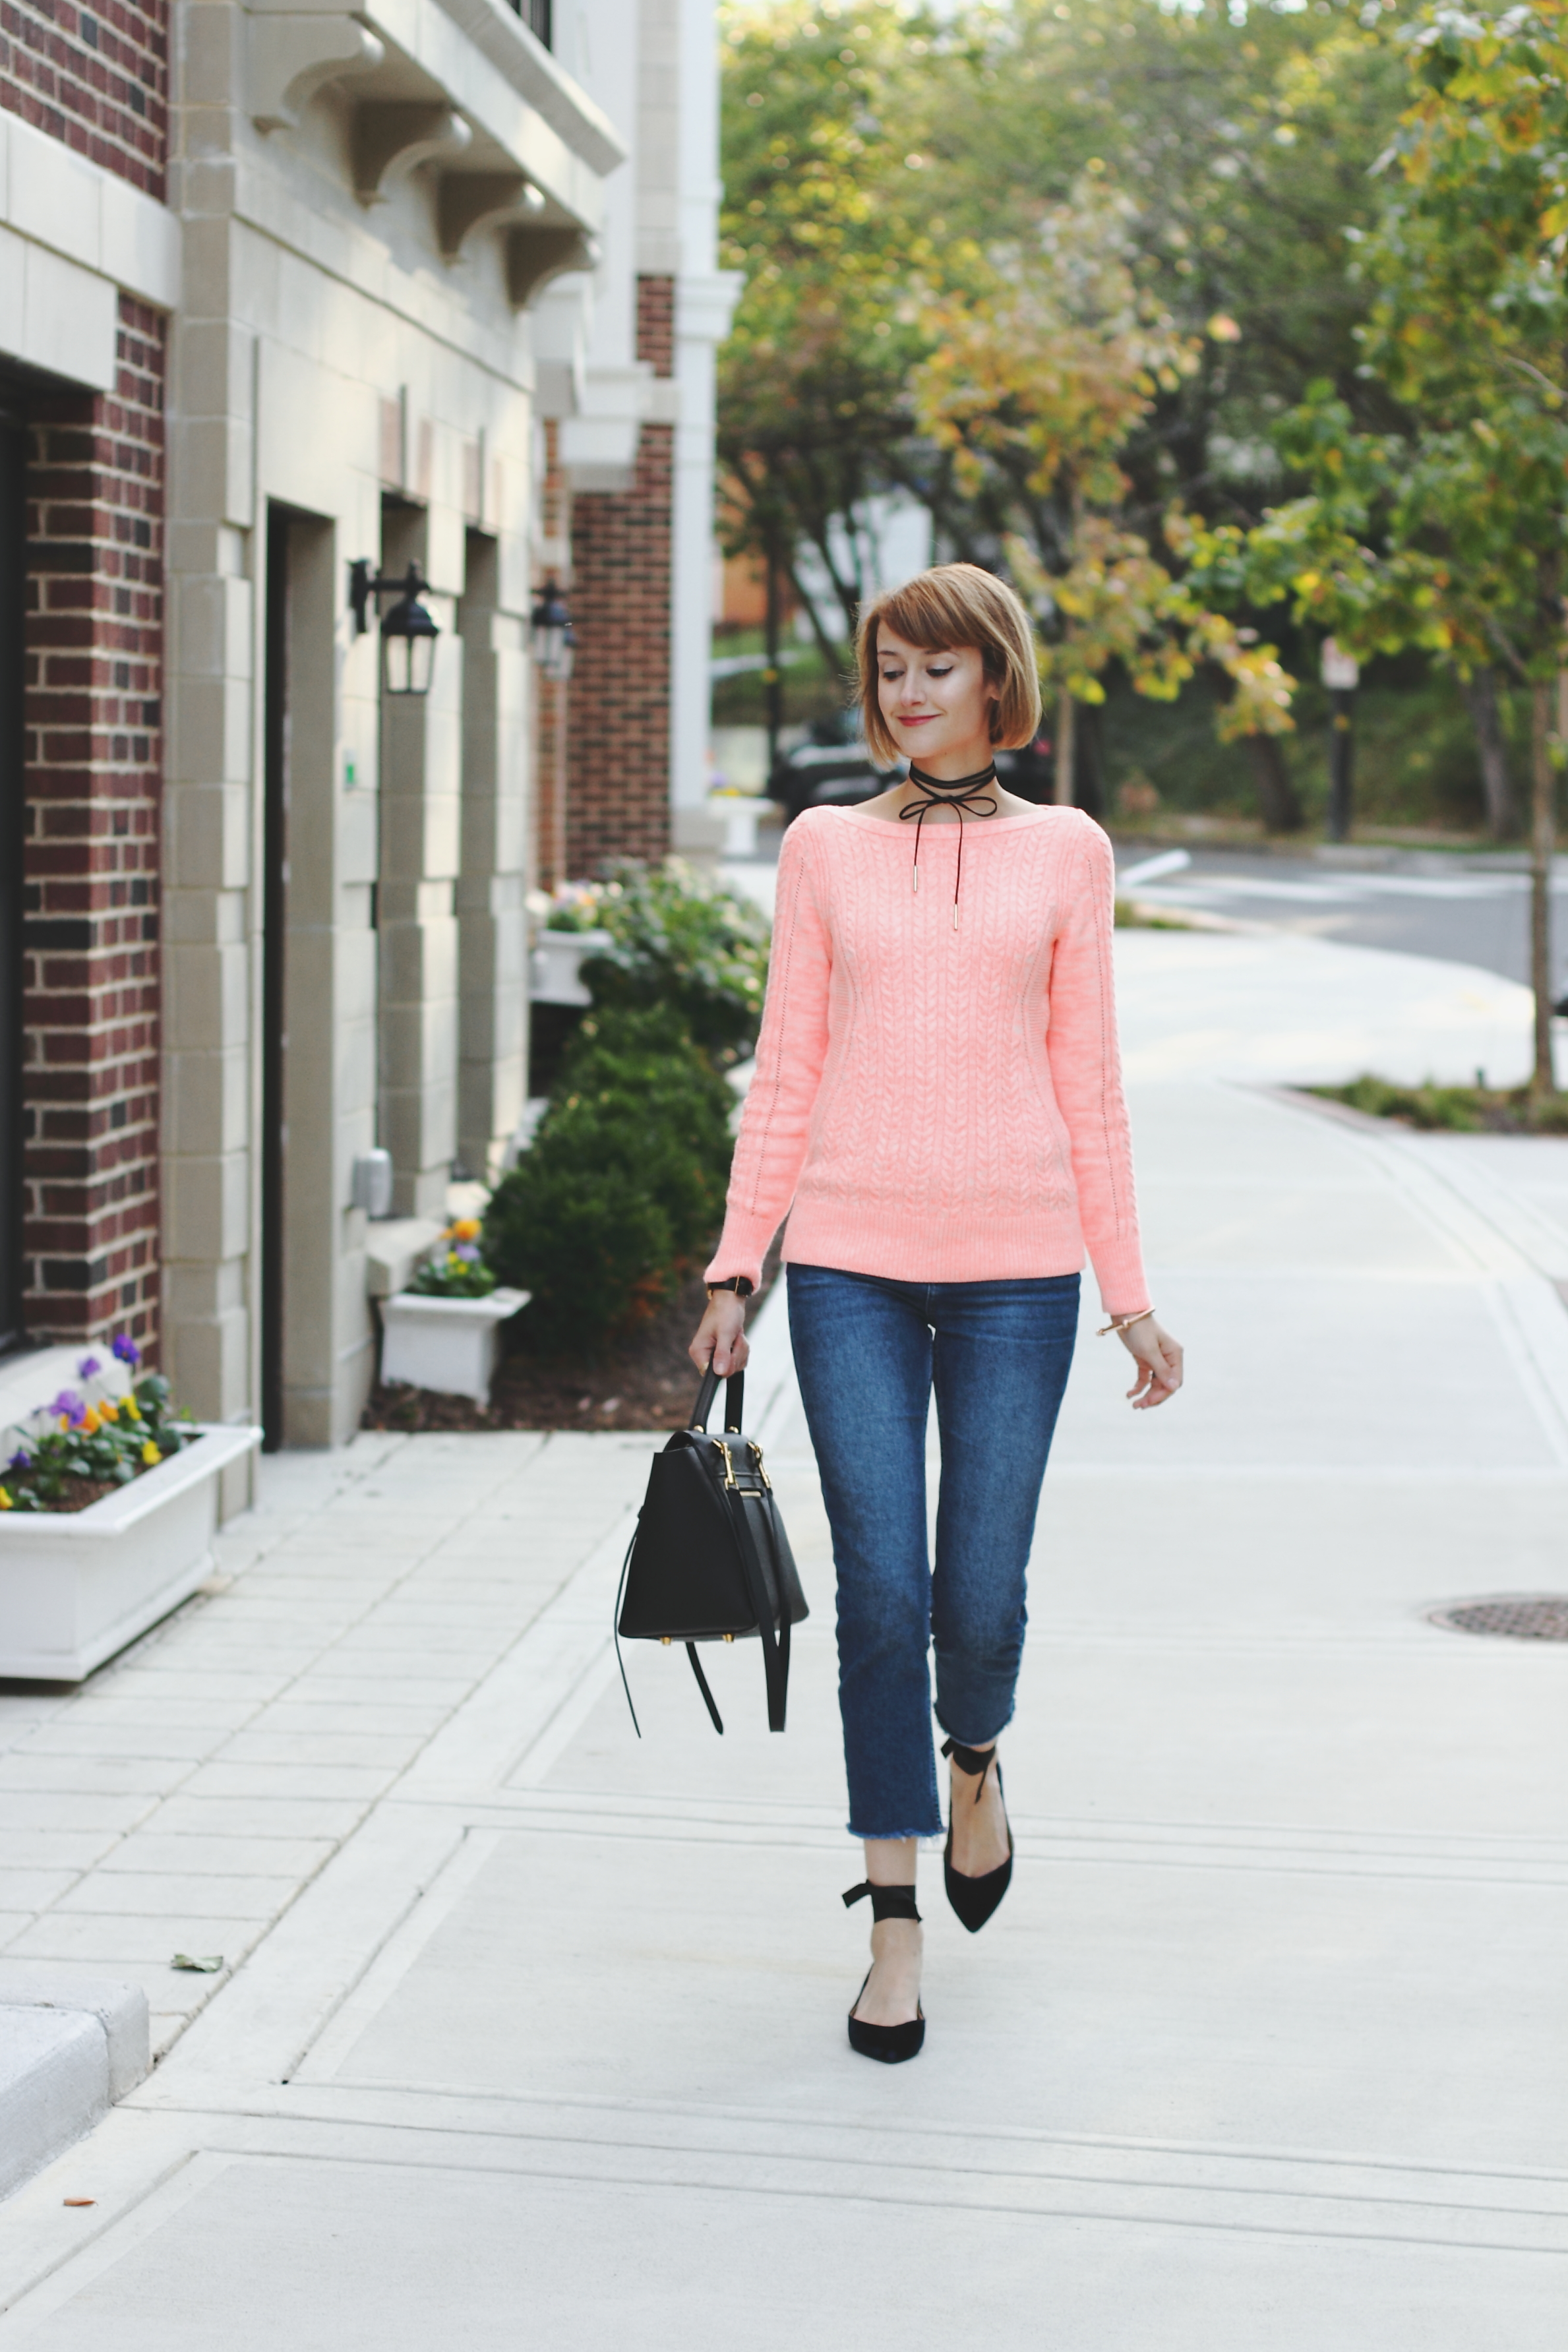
(535,256)
(391,138)
(472,199)
(291,57)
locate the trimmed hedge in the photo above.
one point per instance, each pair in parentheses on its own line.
(685,942)
(625,1179)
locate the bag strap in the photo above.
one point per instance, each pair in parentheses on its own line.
(775,1646)
(615,1629)
(734,1401)
(702,1686)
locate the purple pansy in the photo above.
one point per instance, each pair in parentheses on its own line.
(126,1349)
(20,1460)
(89,1368)
(468,1253)
(69,1407)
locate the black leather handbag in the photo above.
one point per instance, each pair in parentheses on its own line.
(710,1560)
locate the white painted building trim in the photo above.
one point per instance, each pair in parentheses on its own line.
(73,236)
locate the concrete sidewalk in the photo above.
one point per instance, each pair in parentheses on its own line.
(546,2043)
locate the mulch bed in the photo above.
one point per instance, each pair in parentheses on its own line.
(644,1380)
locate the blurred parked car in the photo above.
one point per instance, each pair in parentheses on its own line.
(834,769)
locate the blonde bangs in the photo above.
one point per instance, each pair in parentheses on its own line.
(951,605)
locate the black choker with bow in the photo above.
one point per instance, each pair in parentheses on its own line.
(972,793)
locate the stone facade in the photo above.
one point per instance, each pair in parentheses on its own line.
(400,286)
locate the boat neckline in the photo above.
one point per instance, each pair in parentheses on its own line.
(898,826)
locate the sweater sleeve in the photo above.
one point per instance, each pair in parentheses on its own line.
(1086,1074)
(770,1150)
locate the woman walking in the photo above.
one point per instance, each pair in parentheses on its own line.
(937,1107)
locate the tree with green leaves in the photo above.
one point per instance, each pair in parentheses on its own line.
(1451,533)
(1034,388)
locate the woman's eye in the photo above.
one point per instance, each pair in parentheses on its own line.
(947,672)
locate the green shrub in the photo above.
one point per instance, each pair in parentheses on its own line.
(623,1181)
(683,942)
(1468,1110)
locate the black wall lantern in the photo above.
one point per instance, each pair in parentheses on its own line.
(409,634)
(554,641)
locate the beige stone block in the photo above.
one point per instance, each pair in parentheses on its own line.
(211,470)
(205,917)
(214,617)
(214,367)
(207,997)
(209,252)
(207,1203)
(208,1361)
(209,731)
(418,963)
(419,1126)
(206,836)
(206,1102)
(202,1290)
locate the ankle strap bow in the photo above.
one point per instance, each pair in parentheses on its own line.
(972,1759)
(887,1902)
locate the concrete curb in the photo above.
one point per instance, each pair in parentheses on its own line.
(69,2046)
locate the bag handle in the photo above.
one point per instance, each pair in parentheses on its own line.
(734,1401)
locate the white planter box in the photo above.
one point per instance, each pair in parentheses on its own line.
(446,1344)
(738,813)
(554,965)
(76,1586)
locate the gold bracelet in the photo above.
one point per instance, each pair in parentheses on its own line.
(1123,1323)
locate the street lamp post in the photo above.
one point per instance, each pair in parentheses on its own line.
(1341,675)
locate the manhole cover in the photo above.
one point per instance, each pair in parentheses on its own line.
(1531,1617)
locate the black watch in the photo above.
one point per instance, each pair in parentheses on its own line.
(741,1284)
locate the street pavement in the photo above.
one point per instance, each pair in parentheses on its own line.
(536,2034)
(1461,909)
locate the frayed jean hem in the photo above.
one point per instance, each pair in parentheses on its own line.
(885,1837)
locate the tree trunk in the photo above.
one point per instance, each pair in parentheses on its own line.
(1542,832)
(1496,787)
(1088,761)
(1067,732)
(1282,810)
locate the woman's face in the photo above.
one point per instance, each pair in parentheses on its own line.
(937,706)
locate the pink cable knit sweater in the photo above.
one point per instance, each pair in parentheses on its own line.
(933,1104)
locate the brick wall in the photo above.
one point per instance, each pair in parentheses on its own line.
(618,747)
(97,77)
(94,755)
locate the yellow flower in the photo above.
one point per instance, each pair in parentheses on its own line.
(466,1229)
(90,1423)
(6,1502)
(150,1453)
(130,1406)
(106,1411)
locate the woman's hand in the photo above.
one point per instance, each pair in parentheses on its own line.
(719,1338)
(1159,1361)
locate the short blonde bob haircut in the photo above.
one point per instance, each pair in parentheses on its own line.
(956,604)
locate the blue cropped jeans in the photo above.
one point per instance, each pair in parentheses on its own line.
(869,1352)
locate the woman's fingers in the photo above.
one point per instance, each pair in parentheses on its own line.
(720,1340)
(1159,1360)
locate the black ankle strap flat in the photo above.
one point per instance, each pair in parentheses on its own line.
(974,1899)
(890,2043)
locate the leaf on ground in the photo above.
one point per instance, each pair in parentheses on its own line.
(207,1967)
